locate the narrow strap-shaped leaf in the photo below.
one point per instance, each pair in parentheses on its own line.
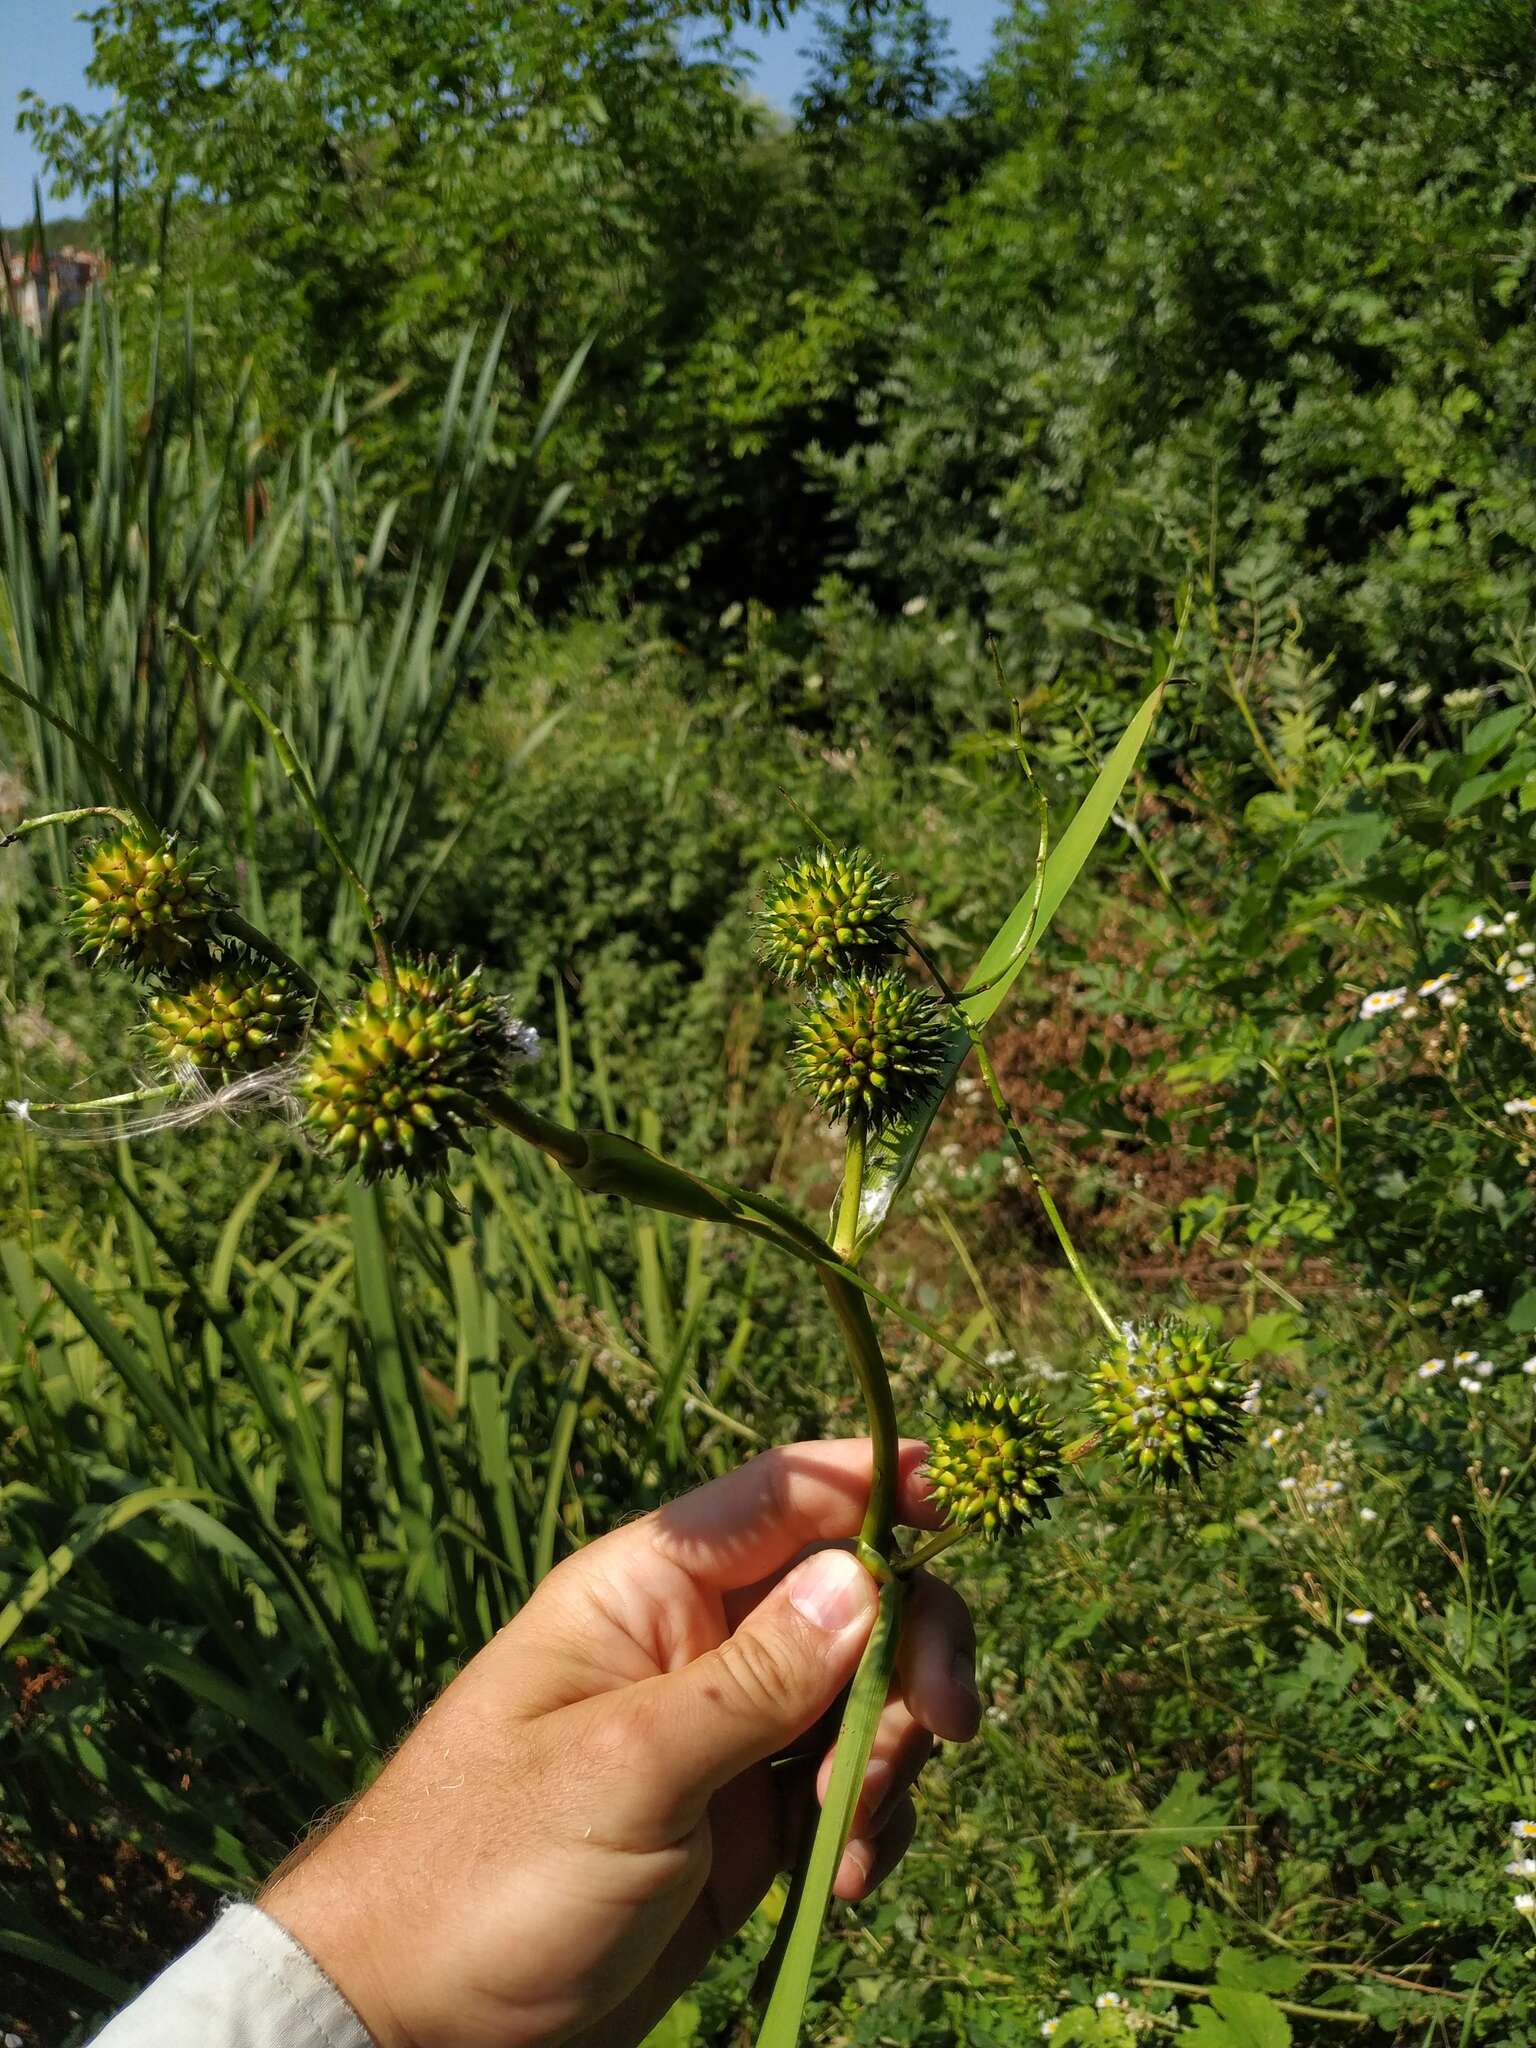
(893,1156)
(855,1740)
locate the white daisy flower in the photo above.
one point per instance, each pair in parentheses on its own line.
(1474,927)
(1529,1368)
(1470,1299)
(1111,2001)
(1523,1830)
(1369,1515)
(1485,1368)
(1527,949)
(1047,2028)
(1447,999)
(1470,1386)
(1431,1368)
(1381,1000)
(1520,979)
(1520,1105)
(1525,1902)
(1466,1358)
(1360,1617)
(1436,982)
(1275,1437)
(1523,1866)
(1286,1484)
(913,606)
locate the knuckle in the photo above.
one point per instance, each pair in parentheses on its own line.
(753,1672)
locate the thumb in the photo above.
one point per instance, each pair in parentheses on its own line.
(764,1686)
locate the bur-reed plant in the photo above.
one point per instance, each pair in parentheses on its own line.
(395,1079)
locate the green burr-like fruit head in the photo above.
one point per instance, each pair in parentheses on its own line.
(868,1049)
(996,1465)
(143,906)
(238,1019)
(830,913)
(1167,1400)
(400,1079)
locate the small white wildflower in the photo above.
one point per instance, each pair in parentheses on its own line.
(913,606)
(1520,979)
(1470,1299)
(1529,1367)
(1360,1617)
(1470,1725)
(1474,927)
(1448,999)
(1276,1436)
(1485,1368)
(1001,1357)
(1466,1358)
(1520,1105)
(1431,1368)
(1464,703)
(1525,1902)
(1470,1386)
(1111,2001)
(1527,949)
(1436,982)
(1047,2028)
(1252,1400)
(1523,1866)
(1523,1830)
(1286,1484)
(1369,1515)
(1382,1000)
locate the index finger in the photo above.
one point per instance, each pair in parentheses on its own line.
(754,1521)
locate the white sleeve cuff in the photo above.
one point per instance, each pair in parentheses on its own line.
(246,1984)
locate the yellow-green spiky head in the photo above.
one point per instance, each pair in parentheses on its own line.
(238,1019)
(143,905)
(1167,1401)
(868,1049)
(995,1465)
(830,913)
(401,1078)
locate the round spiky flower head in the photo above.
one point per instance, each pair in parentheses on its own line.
(143,905)
(1167,1401)
(238,1019)
(997,1464)
(401,1078)
(829,913)
(867,1049)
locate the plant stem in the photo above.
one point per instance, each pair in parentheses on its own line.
(27,825)
(935,1546)
(237,927)
(844,1236)
(852,1312)
(1020,1144)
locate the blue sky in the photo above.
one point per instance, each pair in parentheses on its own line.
(47,48)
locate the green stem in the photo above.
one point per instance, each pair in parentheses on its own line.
(935,1546)
(856,1737)
(102,762)
(27,825)
(852,1312)
(234,926)
(847,1230)
(1020,1144)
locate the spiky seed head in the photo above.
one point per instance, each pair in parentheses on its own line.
(401,1078)
(143,905)
(239,1018)
(828,913)
(1168,1402)
(995,1465)
(868,1048)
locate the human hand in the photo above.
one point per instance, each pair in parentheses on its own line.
(593,1805)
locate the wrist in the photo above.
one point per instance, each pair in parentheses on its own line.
(318,1920)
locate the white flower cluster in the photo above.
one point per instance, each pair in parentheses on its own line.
(1473,1371)
(1523,1866)
(1513,964)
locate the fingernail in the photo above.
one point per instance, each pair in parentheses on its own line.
(831,1590)
(963,1671)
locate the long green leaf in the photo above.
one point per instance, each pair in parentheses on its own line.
(893,1156)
